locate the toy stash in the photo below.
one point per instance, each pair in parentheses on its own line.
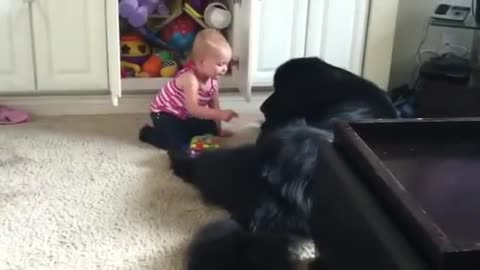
(156,36)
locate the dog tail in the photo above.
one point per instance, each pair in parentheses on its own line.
(224,244)
(182,164)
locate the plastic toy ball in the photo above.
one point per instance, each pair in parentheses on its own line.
(180,33)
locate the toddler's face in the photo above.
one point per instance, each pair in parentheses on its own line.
(216,65)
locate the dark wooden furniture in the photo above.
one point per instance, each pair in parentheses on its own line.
(448,98)
(401,195)
(443,98)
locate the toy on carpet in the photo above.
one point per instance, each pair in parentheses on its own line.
(136,12)
(202,143)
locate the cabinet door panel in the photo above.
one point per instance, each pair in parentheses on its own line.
(282,32)
(70,44)
(16,62)
(337,31)
(243,34)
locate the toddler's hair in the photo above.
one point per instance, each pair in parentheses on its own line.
(208,41)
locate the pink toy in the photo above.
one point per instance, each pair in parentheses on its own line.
(10,116)
(137,11)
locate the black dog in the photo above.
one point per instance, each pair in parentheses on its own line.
(318,93)
(267,187)
(267,190)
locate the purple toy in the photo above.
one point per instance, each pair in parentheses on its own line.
(163,9)
(137,11)
(199,5)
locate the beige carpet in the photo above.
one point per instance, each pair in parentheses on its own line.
(83,193)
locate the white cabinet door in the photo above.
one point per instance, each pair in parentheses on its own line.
(70,44)
(337,31)
(244,31)
(282,28)
(16,62)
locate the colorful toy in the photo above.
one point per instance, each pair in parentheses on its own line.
(180,33)
(164,54)
(134,52)
(162,9)
(134,49)
(151,36)
(169,68)
(152,66)
(130,69)
(202,143)
(198,5)
(138,11)
(192,12)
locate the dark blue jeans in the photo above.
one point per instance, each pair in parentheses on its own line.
(172,133)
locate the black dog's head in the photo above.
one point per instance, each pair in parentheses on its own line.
(295,83)
(318,93)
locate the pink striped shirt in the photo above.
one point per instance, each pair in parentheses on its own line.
(171,98)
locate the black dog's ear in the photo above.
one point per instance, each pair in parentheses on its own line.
(294,73)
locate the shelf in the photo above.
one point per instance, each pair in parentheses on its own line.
(469,23)
(152,37)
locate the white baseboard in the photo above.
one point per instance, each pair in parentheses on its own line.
(102,104)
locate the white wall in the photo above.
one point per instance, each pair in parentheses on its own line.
(410,29)
(380,40)
(396,28)
(411,26)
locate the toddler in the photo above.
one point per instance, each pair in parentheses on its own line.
(188,104)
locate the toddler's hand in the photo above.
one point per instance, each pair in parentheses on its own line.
(225,133)
(227,115)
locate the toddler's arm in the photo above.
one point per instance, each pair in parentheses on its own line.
(215,104)
(190,87)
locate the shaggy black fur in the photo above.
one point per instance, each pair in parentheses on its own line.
(225,245)
(267,187)
(319,93)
